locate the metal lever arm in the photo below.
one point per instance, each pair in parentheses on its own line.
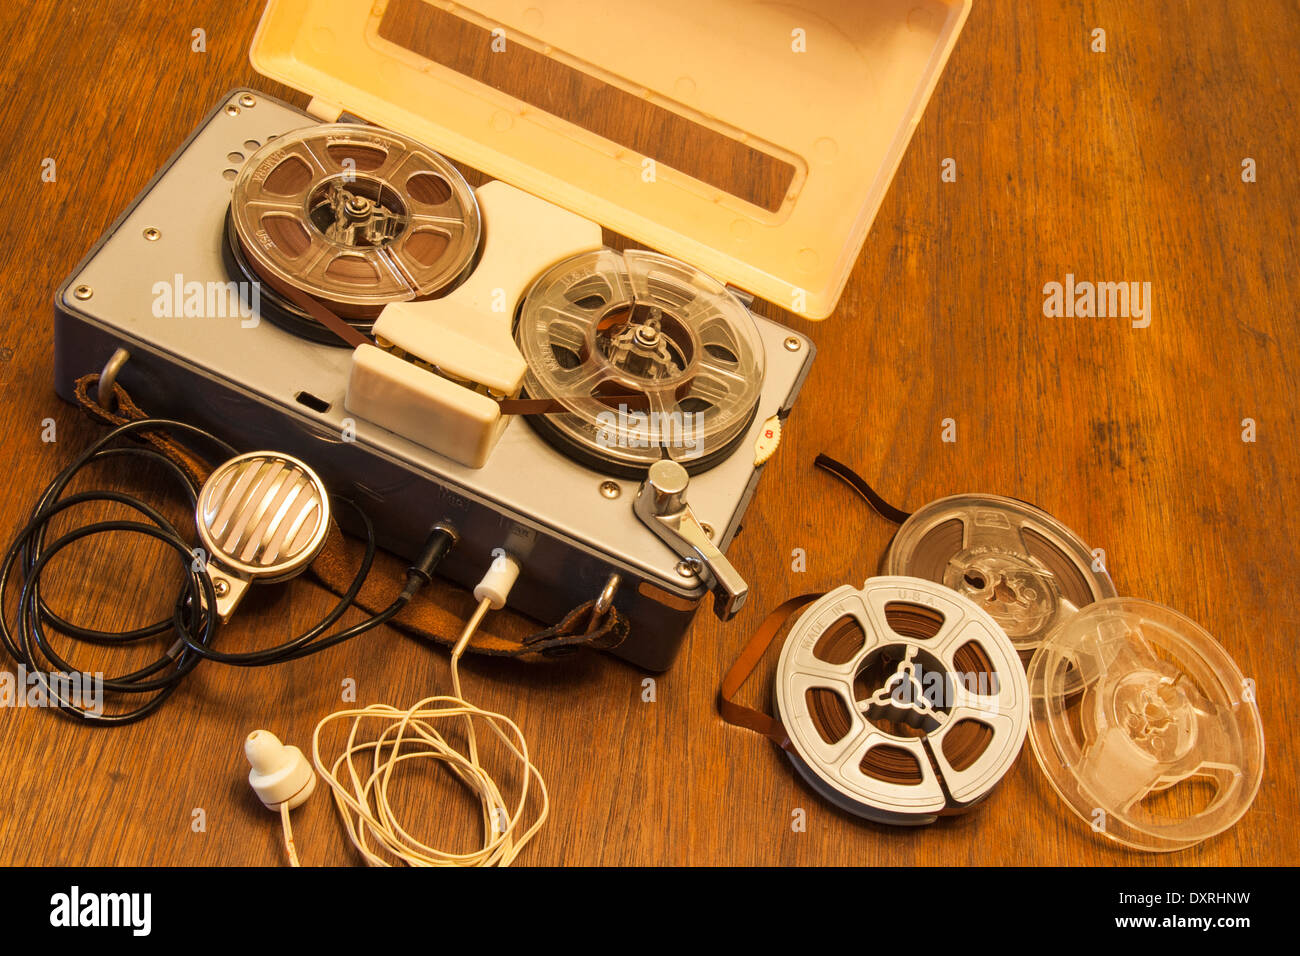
(661,505)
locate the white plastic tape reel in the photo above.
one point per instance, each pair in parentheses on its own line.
(1029,571)
(903,700)
(1144,725)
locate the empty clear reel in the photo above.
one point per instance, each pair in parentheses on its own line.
(1029,571)
(647,355)
(1144,725)
(354,216)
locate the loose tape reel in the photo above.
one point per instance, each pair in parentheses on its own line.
(1029,571)
(902,701)
(1144,725)
(354,216)
(648,355)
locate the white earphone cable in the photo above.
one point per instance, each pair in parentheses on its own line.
(379,742)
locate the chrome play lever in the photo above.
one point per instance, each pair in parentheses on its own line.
(661,505)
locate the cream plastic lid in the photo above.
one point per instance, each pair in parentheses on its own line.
(754,140)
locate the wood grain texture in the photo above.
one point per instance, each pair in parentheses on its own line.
(1116,166)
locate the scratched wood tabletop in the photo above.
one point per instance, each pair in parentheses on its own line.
(1123,165)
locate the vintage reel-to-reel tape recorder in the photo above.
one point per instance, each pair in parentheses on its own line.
(336,290)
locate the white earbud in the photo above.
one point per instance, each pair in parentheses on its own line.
(280,774)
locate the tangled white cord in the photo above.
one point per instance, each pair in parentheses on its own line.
(371,759)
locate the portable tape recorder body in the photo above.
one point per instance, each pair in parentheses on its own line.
(653,396)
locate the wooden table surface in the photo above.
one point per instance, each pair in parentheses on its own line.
(1122,165)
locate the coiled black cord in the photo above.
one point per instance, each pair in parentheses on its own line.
(194,619)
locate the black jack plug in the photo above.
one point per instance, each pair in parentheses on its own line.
(441,539)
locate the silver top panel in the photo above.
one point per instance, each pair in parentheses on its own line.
(136,281)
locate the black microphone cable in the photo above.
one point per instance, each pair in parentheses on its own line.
(193,620)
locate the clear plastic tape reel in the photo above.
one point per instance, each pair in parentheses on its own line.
(1029,571)
(647,354)
(355,215)
(1144,725)
(903,700)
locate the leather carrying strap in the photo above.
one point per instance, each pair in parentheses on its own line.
(436,613)
(124,410)
(738,715)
